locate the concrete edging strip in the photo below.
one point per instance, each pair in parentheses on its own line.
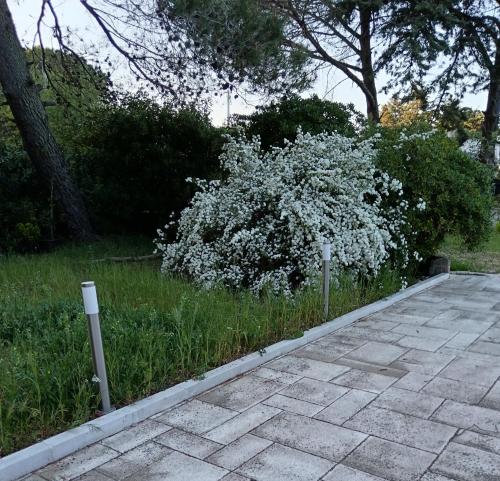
(57,447)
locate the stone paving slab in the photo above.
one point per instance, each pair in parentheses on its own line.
(465,463)
(402,428)
(411,393)
(392,461)
(281,463)
(311,435)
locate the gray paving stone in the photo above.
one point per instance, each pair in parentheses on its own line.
(318,392)
(310,435)
(401,318)
(90,476)
(492,348)
(177,466)
(473,371)
(408,402)
(377,353)
(455,390)
(239,452)
(479,316)
(234,477)
(79,463)
(365,366)
(293,405)
(389,460)
(242,393)
(465,463)
(341,340)
(322,371)
(480,441)
(474,356)
(370,334)
(280,376)
(491,335)
(377,324)
(281,463)
(367,381)
(460,323)
(425,331)
(35,477)
(473,306)
(462,340)
(401,428)
(413,381)
(423,310)
(474,418)
(188,443)
(344,473)
(422,343)
(345,407)
(423,362)
(196,416)
(319,352)
(134,460)
(241,424)
(492,399)
(435,477)
(135,435)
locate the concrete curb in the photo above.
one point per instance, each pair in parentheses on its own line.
(57,447)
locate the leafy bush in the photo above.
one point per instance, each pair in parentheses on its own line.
(456,190)
(279,121)
(132,160)
(24,202)
(263,226)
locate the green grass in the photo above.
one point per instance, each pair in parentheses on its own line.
(157,331)
(484,259)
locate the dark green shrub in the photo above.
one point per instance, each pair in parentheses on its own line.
(25,210)
(280,120)
(132,159)
(456,189)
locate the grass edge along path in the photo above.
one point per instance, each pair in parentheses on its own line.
(157,331)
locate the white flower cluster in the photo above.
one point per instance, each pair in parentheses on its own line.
(472,147)
(262,227)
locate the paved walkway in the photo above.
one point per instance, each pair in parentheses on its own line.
(411,393)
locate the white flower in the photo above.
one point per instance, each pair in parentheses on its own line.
(421,205)
(472,147)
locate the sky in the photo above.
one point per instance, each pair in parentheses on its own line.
(70,12)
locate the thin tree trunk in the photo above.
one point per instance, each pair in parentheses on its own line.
(372,108)
(492,111)
(23,97)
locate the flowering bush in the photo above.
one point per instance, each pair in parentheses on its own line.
(263,226)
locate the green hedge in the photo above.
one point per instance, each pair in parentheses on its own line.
(457,190)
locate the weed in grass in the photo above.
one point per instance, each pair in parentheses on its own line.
(157,331)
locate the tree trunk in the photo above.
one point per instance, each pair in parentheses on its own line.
(492,111)
(367,72)
(31,119)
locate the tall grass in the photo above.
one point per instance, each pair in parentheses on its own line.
(157,331)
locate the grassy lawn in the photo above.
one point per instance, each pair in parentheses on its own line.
(484,259)
(157,331)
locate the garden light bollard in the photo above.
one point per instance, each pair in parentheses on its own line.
(327,255)
(92,311)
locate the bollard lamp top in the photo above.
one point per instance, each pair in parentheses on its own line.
(89,294)
(327,251)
